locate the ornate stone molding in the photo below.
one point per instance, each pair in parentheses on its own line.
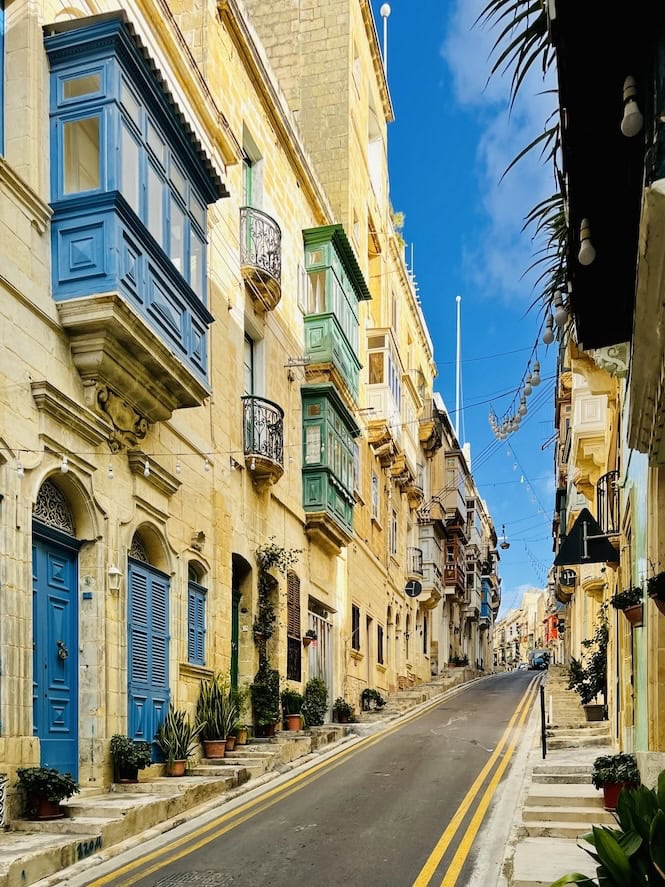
(158,476)
(129,426)
(68,413)
(613,359)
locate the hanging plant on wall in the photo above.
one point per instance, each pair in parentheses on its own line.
(269,557)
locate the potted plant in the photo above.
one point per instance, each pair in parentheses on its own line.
(370,695)
(588,675)
(315,706)
(656,590)
(309,637)
(636,845)
(292,703)
(240,696)
(128,758)
(44,788)
(613,773)
(342,710)
(216,715)
(265,700)
(631,602)
(177,740)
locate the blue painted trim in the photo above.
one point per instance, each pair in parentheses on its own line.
(100,38)
(57,537)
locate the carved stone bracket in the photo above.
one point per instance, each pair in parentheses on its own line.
(129,427)
(614,360)
(157,475)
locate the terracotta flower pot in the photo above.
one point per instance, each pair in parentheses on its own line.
(265,730)
(176,768)
(306,642)
(611,792)
(44,809)
(634,615)
(241,736)
(293,722)
(214,748)
(230,742)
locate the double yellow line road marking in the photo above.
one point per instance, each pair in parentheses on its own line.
(450,879)
(151,862)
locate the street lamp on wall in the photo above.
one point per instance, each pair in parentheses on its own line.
(114,578)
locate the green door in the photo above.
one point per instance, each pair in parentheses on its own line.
(235,632)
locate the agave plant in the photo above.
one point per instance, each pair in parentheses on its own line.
(216,710)
(176,737)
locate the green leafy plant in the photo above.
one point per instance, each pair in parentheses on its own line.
(292,701)
(614,769)
(240,697)
(588,675)
(176,737)
(656,587)
(370,695)
(265,696)
(216,709)
(460,660)
(129,755)
(271,556)
(268,557)
(628,598)
(342,709)
(310,633)
(632,855)
(315,705)
(45,782)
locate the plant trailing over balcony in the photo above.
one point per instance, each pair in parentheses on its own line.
(588,675)
(632,855)
(628,598)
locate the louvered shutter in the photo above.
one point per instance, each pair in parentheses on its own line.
(191,627)
(293,605)
(160,632)
(196,623)
(139,649)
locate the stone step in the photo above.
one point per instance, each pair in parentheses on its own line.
(538,862)
(578,742)
(564,794)
(562,778)
(585,814)
(547,829)
(584,769)
(83,825)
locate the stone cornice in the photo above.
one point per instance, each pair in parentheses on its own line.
(74,416)
(375,50)
(158,477)
(248,45)
(38,211)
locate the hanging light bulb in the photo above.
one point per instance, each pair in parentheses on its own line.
(19,469)
(527,386)
(110,472)
(548,335)
(560,313)
(146,469)
(178,467)
(535,375)
(206,464)
(522,411)
(587,253)
(632,120)
(64,465)
(518,419)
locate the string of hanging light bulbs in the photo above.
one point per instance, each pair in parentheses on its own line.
(556,314)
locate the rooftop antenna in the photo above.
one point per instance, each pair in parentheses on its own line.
(385,12)
(458,363)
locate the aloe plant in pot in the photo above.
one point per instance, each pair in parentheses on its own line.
(177,740)
(216,715)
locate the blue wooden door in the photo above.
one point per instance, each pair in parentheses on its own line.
(148,641)
(55,653)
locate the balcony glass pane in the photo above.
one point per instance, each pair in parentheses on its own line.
(376,368)
(313,444)
(82,159)
(197,265)
(79,86)
(316,298)
(155,205)
(177,250)
(129,173)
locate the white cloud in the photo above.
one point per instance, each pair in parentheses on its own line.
(501,252)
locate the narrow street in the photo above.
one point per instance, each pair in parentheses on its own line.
(396,809)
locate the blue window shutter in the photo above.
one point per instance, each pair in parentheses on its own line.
(160,595)
(138,628)
(196,620)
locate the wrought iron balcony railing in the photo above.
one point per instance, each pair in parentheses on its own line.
(261,254)
(607,497)
(414,561)
(263,426)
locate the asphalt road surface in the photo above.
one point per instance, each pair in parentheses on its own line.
(402,808)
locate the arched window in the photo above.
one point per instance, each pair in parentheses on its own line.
(52,509)
(137,549)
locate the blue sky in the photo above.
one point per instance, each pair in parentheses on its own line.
(450,143)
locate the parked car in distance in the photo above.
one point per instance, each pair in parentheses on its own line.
(522,665)
(539,660)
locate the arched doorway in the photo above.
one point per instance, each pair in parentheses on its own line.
(240,572)
(55,629)
(147,641)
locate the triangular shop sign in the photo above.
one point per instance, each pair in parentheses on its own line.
(586,543)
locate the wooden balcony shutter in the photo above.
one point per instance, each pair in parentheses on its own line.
(293,605)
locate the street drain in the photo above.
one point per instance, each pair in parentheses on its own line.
(200,879)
